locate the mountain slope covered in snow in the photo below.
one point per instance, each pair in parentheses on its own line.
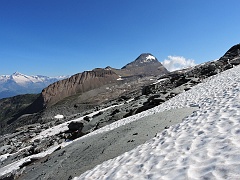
(204,146)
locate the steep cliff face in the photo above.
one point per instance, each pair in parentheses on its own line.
(77,84)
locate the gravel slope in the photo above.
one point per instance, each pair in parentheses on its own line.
(90,151)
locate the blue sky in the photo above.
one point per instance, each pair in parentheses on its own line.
(62,37)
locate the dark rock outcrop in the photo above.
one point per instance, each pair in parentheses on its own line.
(232,55)
(75,126)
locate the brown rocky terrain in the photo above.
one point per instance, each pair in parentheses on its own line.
(77,84)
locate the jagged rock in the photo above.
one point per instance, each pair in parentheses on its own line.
(8,176)
(75,126)
(160,100)
(6,149)
(124,98)
(115,112)
(235,62)
(231,55)
(87,118)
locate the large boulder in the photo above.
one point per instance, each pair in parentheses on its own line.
(75,126)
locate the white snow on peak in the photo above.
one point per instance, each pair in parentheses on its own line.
(18,83)
(23,79)
(27,80)
(204,146)
(150,57)
(4,78)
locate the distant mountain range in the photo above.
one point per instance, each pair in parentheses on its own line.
(17,83)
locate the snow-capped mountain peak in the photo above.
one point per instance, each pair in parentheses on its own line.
(19,83)
(146,58)
(22,79)
(142,60)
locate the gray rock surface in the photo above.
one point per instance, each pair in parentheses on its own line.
(88,152)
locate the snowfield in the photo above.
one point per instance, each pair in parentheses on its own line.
(206,145)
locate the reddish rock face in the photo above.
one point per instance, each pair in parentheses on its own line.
(77,84)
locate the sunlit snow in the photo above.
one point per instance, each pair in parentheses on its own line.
(204,146)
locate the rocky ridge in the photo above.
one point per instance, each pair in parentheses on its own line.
(77,84)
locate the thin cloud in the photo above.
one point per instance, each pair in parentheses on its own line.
(173,63)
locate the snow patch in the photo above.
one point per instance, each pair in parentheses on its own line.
(59,116)
(160,80)
(16,165)
(120,78)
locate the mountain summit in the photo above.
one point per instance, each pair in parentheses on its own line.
(146,64)
(142,60)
